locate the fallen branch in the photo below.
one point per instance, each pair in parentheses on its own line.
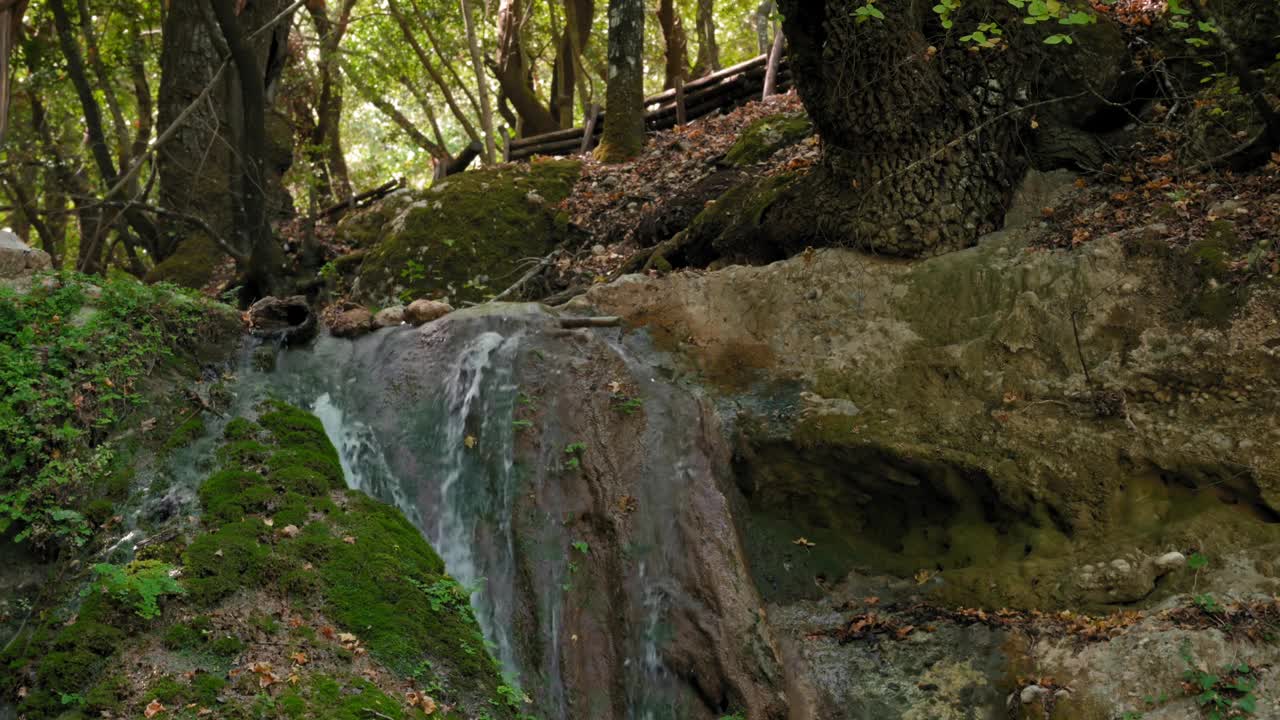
(604,321)
(365,197)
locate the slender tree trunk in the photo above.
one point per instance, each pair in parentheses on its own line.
(623,136)
(512,71)
(762,18)
(265,258)
(677,43)
(93,114)
(482,82)
(326,134)
(708,51)
(445,87)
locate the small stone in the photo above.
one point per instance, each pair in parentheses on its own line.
(1031,693)
(1170,561)
(598,249)
(423,311)
(1121,565)
(389,317)
(352,323)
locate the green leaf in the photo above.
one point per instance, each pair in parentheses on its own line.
(1057,39)
(1197,561)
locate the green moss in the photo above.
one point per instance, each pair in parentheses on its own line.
(192,265)
(240,429)
(766,136)
(462,238)
(226,560)
(185,433)
(734,224)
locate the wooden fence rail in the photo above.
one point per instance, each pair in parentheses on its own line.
(722,90)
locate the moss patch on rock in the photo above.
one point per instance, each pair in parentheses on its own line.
(462,239)
(191,265)
(299,598)
(768,135)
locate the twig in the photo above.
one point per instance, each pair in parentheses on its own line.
(542,264)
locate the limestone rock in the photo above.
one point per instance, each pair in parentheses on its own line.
(389,317)
(19,261)
(423,311)
(352,323)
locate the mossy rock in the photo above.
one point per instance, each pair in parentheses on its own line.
(768,135)
(462,239)
(733,226)
(191,265)
(278,526)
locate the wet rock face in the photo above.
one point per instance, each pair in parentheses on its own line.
(589,494)
(969,383)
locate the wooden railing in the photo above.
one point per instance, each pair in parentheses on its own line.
(723,90)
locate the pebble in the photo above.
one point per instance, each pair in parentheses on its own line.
(1170,561)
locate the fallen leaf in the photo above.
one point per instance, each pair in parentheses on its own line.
(299,658)
(153,708)
(470,441)
(349,539)
(290,531)
(804,542)
(871,600)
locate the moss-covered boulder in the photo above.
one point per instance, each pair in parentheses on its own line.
(291,597)
(768,135)
(463,239)
(192,265)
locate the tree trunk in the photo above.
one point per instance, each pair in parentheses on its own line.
(763,22)
(482,83)
(708,51)
(199,171)
(677,43)
(327,157)
(252,227)
(623,136)
(99,149)
(921,136)
(512,70)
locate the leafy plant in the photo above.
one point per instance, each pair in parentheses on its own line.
(625,404)
(582,547)
(139,585)
(575,451)
(69,375)
(1229,694)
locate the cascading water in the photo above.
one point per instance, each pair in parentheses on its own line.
(581,571)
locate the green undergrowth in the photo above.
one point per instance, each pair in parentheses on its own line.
(766,136)
(462,239)
(79,361)
(279,529)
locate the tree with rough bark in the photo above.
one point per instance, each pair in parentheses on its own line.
(482,82)
(923,132)
(708,49)
(623,136)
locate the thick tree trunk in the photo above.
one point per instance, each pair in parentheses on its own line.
(922,141)
(200,174)
(623,136)
(677,43)
(262,273)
